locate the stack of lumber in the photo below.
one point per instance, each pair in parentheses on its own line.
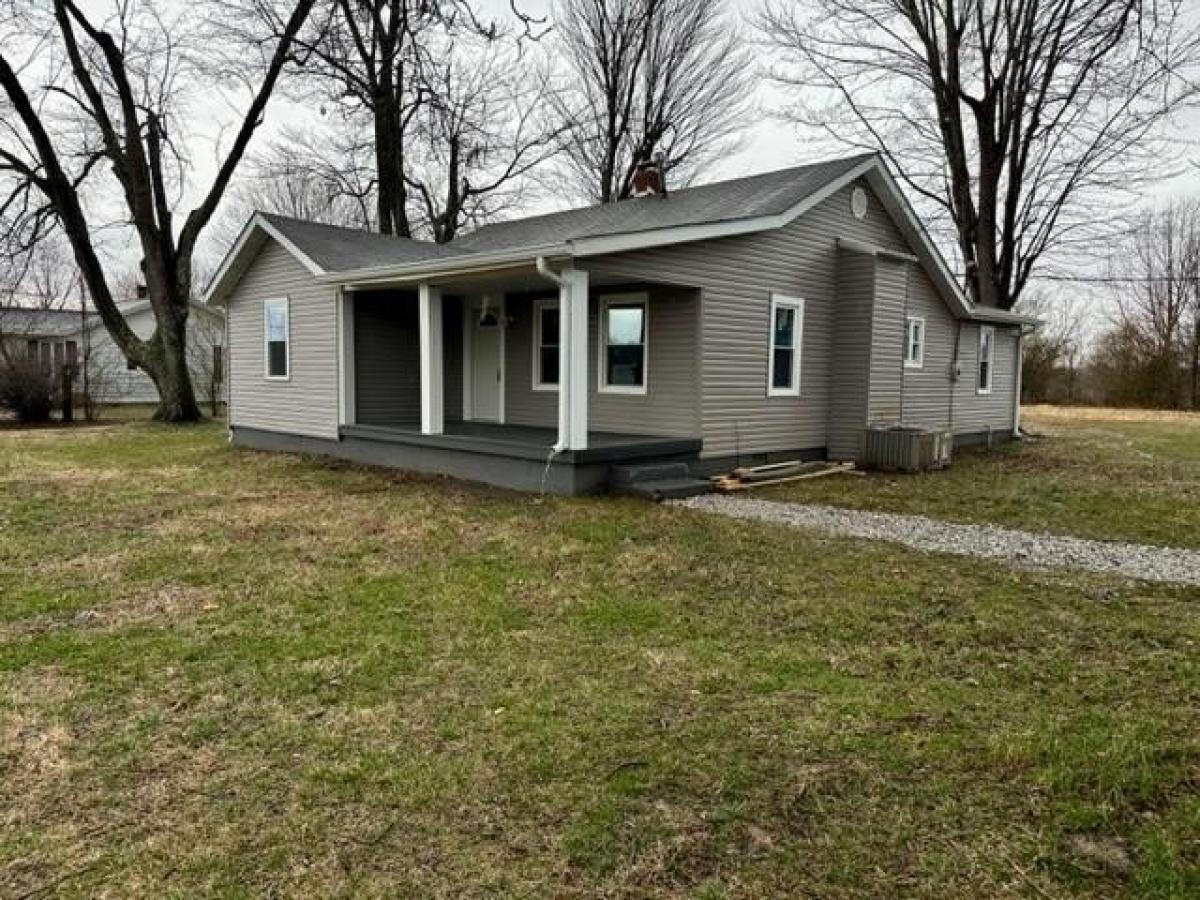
(747,477)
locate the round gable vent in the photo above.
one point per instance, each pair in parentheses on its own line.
(858,203)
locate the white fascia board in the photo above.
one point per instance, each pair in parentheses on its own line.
(467,264)
(258,224)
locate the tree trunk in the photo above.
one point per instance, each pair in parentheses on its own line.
(166,364)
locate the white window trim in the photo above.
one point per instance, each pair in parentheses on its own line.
(909,362)
(603,387)
(536,357)
(796,303)
(988,332)
(287,355)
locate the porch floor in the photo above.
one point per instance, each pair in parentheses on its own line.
(529,442)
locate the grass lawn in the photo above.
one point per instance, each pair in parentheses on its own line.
(234,674)
(1108,474)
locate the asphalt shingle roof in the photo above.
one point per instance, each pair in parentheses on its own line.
(337,249)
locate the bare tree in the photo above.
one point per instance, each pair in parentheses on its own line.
(1021,121)
(482,129)
(450,120)
(663,79)
(1053,354)
(321,174)
(1157,274)
(81,91)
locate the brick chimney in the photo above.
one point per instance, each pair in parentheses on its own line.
(648,179)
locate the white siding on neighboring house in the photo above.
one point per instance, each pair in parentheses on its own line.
(112,381)
(306,403)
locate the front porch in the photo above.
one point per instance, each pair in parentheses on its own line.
(504,378)
(514,456)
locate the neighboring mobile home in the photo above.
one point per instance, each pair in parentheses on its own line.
(768,317)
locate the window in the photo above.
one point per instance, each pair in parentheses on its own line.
(787,330)
(914,345)
(278,361)
(545,345)
(623,344)
(987,339)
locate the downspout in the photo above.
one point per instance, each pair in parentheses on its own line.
(1016,430)
(543,269)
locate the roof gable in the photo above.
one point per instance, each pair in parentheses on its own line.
(740,206)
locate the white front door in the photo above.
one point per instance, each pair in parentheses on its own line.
(487,362)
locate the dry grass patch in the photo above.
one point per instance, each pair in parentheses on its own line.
(273,676)
(1107,474)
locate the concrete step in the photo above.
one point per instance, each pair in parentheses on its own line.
(664,488)
(651,471)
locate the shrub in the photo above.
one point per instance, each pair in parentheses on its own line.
(26,389)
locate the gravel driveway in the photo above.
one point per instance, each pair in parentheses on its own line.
(1024,548)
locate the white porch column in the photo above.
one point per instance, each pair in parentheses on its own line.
(429,298)
(572,366)
(347,395)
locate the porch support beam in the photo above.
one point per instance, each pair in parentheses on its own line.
(347,391)
(429,299)
(573,352)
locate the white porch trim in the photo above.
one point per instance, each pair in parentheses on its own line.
(346,386)
(572,365)
(429,300)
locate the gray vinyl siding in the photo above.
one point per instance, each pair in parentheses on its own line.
(387,361)
(851,353)
(887,341)
(737,276)
(307,403)
(975,411)
(387,358)
(931,397)
(926,399)
(670,406)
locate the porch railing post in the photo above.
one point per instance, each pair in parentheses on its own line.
(430,328)
(572,342)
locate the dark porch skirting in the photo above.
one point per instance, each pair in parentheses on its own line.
(506,456)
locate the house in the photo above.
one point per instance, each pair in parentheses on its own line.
(62,336)
(113,380)
(50,335)
(762,318)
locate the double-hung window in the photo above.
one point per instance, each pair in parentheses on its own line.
(623,344)
(545,345)
(987,341)
(787,339)
(914,344)
(277,342)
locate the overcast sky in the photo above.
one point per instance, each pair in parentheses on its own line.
(768,142)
